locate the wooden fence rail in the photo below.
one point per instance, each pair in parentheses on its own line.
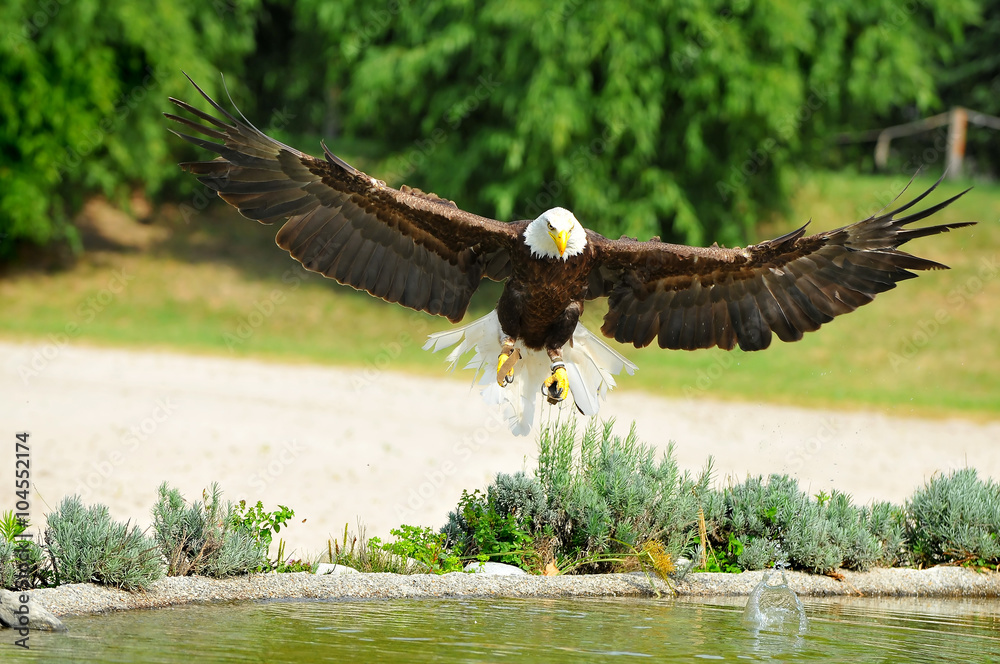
(957,119)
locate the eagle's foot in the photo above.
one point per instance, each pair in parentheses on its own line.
(505,362)
(556,386)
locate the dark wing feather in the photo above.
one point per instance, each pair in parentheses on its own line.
(402,245)
(690,297)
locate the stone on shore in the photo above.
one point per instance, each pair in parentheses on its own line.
(38,617)
(493,568)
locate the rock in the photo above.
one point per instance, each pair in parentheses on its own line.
(327,568)
(40,618)
(493,568)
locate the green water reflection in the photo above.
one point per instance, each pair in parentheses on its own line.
(488,630)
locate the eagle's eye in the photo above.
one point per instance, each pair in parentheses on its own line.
(551,227)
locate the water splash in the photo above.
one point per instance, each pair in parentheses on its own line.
(774,607)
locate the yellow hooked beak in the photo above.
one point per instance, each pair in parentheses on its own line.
(561,239)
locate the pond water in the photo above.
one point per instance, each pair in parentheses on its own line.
(491,630)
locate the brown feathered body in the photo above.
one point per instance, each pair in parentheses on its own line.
(543,298)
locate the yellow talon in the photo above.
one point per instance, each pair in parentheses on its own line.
(556,386)
(508,358)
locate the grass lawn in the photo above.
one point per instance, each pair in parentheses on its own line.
(217,284)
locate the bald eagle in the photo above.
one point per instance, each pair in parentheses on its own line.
(422,251)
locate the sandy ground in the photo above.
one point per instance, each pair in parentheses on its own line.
(337,445)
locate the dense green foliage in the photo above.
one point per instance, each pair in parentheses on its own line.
(683,118)
(88,547)
(372,555)
(498,528)
(758,524)
(421,548)
(955,518)
(595,496)
(22,560)
(597,500)
(208,537)
(82,85)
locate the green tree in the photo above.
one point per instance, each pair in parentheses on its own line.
(82,85)
(684,118)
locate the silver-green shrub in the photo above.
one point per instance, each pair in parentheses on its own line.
(88,547)
(203,538)
(603,489)
(955,518)
(815,534)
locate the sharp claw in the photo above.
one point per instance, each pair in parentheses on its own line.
(503,380)
(508,356)
(556,386)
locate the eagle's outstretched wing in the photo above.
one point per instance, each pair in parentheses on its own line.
(692,297)
(403,246)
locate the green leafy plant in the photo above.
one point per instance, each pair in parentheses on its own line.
(281,565)
(263,526)
(596,498)
(493,528)
(88,547)
(23,563)
(367,555)
(727,558)
(206,537)
(422,545)
(11,526)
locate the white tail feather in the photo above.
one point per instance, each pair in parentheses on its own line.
(590,367)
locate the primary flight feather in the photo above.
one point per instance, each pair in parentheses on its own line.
(422,251)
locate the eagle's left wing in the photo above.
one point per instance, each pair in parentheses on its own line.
(402,245)
(693,297)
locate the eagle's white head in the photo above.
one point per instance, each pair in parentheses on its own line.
(555,234)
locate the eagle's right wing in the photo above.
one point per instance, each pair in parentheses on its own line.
(403,246)
(693,297)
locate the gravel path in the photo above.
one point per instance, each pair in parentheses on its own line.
(88,598)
